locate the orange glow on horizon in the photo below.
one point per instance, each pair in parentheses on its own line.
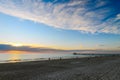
(17,52)
(14,52)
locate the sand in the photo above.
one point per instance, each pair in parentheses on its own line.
(97,68)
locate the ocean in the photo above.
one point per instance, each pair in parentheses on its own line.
(14,57)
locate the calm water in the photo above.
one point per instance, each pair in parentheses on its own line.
(13,57)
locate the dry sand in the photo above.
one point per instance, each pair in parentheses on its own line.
(98,68)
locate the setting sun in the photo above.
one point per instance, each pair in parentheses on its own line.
(17,44)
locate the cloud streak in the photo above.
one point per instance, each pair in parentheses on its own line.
(94,16)
(7,47)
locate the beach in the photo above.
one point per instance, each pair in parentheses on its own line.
(94,68)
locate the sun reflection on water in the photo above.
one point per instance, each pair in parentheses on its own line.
(14,56)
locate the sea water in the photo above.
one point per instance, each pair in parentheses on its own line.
(21,57)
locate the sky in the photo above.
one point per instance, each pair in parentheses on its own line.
(59,25)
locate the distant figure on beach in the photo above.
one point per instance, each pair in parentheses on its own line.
(60,58)
(49,59)
(74,53)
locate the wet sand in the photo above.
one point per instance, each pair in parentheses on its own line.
(97,68)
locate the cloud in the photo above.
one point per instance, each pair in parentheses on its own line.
(94,16)
(96,51)
(118,17)
(7,47)
(118,47)
(101,45)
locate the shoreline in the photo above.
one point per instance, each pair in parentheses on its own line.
(41,59)
(90,68)
(58,58)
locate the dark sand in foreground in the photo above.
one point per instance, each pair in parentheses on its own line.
(98,68)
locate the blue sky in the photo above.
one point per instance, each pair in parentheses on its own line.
(61,24)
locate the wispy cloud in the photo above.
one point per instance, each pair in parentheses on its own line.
(118,17)
(82,15)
